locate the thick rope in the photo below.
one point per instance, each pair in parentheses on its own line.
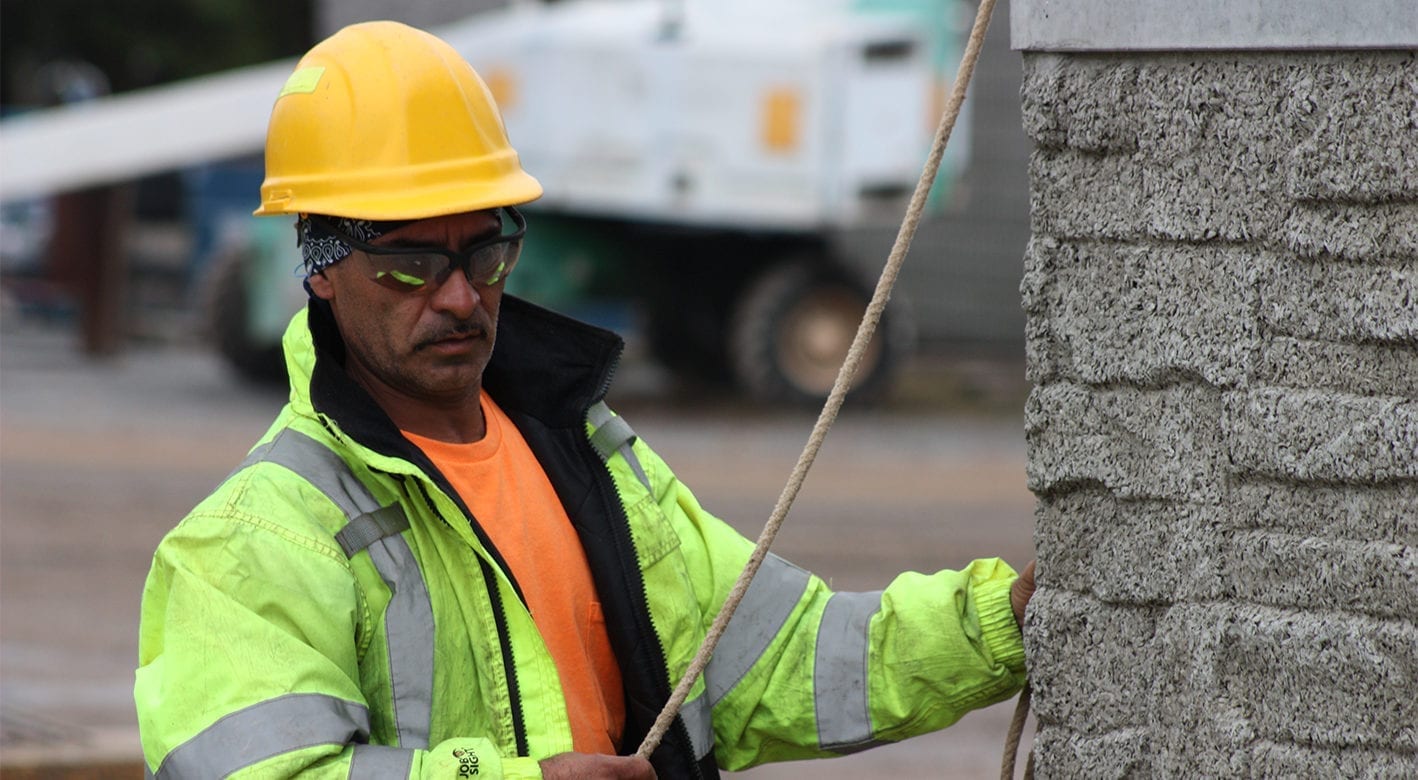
(1011,741)
(865,331)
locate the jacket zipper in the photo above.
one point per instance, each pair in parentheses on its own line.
(625,547)
(509,666)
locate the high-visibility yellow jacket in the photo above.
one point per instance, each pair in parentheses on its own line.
(333,610)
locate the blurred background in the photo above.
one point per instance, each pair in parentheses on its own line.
(724,181)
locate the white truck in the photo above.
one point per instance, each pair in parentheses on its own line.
(702,162)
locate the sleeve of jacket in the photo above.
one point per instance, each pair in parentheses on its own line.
(249,661)
(805,672)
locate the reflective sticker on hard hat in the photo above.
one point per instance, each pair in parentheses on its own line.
(302,82)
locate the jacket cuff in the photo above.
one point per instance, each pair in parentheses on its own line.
(1002,635)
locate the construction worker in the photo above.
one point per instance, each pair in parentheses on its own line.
(445,560)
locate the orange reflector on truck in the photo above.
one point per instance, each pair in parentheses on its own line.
(781,126)
(502,83)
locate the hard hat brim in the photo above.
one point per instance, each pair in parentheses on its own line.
(450,195)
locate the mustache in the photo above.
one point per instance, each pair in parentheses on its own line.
(460,329)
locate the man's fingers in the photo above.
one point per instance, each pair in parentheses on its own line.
(573,766)
(1021,591)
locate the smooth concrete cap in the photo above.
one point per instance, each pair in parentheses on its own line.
(1166,25)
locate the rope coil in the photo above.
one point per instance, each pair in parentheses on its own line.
(833,405)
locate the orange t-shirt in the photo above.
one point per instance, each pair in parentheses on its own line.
(507,491)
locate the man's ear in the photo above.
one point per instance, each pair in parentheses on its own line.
(320,285)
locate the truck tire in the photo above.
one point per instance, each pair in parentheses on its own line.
(792,330)
(684,334)
(227,324)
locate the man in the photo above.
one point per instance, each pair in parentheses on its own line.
(445,560)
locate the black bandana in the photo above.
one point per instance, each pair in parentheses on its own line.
(320,248)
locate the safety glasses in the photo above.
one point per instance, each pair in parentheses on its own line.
(413,269)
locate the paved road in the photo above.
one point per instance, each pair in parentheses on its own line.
(98,460)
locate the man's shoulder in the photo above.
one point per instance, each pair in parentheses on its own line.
(296,483)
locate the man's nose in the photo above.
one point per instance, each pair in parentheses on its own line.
(456,296)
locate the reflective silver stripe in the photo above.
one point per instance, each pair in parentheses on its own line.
(371,527)
(598,415)
(408,624)
(839,678)
(256,455)
(699,721)
(272,727)
(377,762)
(771,598)
(408,620)
(320,466)
(611,434)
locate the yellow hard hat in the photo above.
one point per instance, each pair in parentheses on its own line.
(383,121)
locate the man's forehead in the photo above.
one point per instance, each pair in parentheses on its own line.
(456,226)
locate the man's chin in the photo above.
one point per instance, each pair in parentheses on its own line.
(451,374)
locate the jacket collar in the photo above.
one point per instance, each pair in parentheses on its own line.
(545,365)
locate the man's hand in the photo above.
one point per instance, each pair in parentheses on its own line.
(573,766)
(1020,593)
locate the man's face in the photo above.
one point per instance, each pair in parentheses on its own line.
(425,347)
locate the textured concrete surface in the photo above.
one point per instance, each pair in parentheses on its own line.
(1222,324)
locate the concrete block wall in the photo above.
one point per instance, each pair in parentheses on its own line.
(1221,292)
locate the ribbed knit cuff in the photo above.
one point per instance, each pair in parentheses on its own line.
(1001,634)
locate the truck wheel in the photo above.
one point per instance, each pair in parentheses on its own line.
(686,337)
(227,325)
(793,328)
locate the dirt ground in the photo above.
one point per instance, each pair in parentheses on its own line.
(99,459)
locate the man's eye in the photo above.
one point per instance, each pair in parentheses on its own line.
(416,264)
(401,275)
